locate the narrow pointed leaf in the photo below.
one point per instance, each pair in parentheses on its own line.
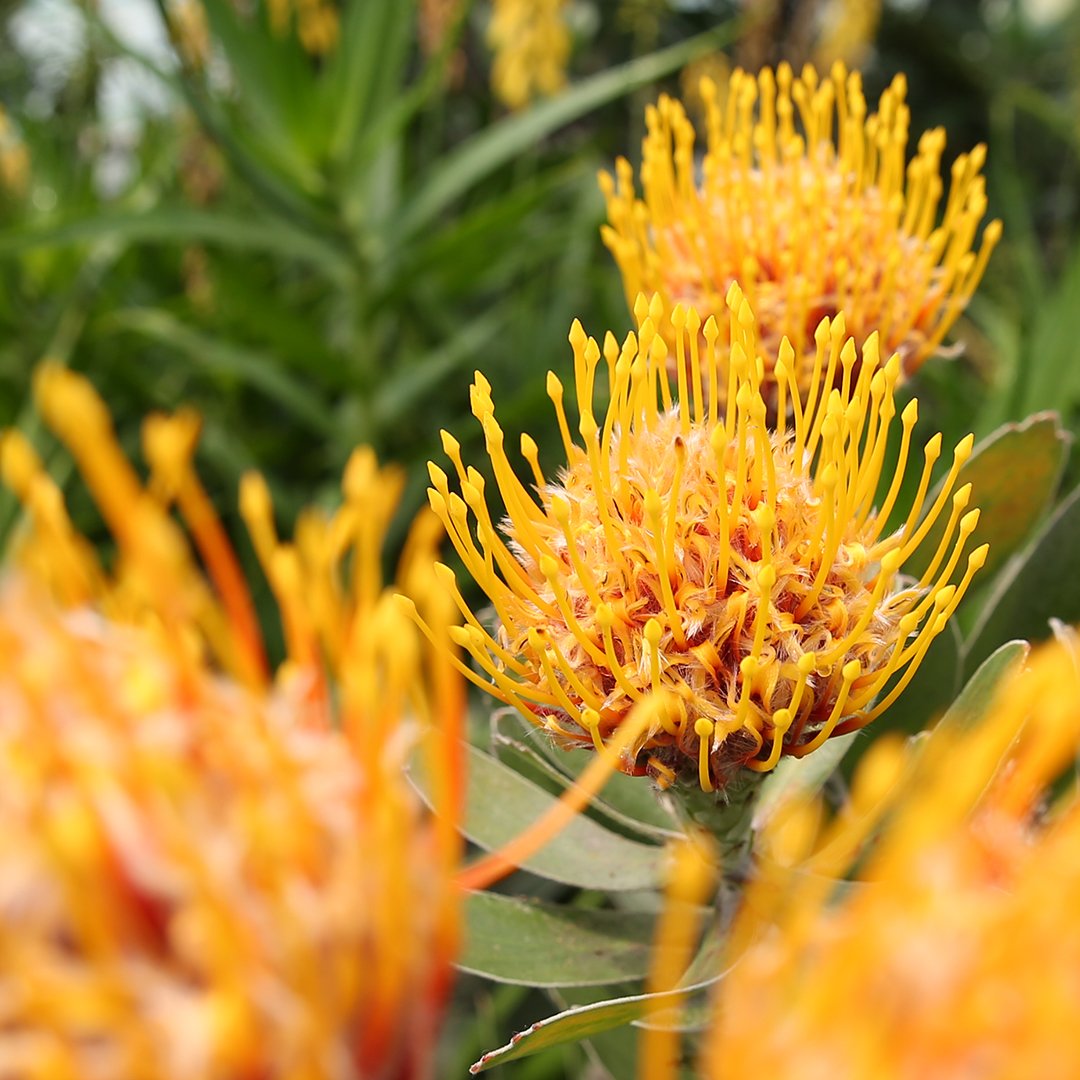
(1014,474)
(634,802)
(979,692)
(532,943)
(501,804)
(799,777)
(1041,583)
(930,692)
(181,225)
(583,1021)
(516,134)
(521,749)
(257,369)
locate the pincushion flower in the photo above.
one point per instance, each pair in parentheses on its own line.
(689,550)
(210,868)
(530,40)
(811,205)
(317,23)
(956,952)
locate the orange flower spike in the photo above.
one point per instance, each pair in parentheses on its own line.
(179,840)
(155,578)
(303,775)
(691,878)
(169,445)
(809,217)
(530,40)
(687,550)
(959,924)
(57,554)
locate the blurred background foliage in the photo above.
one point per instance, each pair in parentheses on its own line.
(313,221)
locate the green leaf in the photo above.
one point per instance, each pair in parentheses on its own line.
(364,72)
(1014,474)
(274,82)
(627,802)
(1050,374)
(532,943)
(516,134)
(931,690)
(978,694)
(799,778)
(501,804)
(583,1021)
(405,385)
(1041,583)
(183,226)
(259,370)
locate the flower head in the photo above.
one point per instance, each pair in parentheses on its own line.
(205,861)
(14,161)
(317,23)
(811,205)
(956,951)
(531,43)
(689,550)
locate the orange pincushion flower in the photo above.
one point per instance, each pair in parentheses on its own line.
(957,952)
(811,206)
(742,572)
(531,43)
(192,883)
(207,865)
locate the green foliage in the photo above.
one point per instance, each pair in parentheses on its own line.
(515,940)
(318,252)
(584,854)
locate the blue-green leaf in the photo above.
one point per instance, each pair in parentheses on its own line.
(532,943)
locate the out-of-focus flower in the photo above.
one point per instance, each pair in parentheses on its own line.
(691,877)
(317,22)
(204,864)
(531,44)
(956,950)
(846,31)
(14,159)
(187,22)
(690,550)
(811,206)
(802,30)
(435,21)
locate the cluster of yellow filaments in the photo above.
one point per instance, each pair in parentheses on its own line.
(14,160)
(847,31)
(741,571)
(530,40)
(208,865)
(958,948)
(190,30)
(317,22)
(810,204)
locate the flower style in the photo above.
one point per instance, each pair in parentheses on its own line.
(744,573)
(204,863)
(809,222)
(956,951)
(531,44)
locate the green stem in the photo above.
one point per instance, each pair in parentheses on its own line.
(725,815)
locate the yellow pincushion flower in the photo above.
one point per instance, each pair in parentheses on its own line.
(957,951)
(208,868)
(742,572)
(198,881)
(811,205)
(317,23)
(14,160)
(531,44)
